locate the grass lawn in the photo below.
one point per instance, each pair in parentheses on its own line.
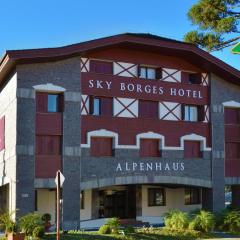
(153,235)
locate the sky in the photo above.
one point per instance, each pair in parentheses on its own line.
(52,23)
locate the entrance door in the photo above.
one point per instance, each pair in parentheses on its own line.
(121,203)
(115,205)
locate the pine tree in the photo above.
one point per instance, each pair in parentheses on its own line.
(216,20)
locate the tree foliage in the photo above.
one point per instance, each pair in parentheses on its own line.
(217,22)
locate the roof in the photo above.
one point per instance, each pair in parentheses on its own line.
(141,41)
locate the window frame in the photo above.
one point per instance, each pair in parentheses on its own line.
(57,103)
(146,72)
(191,196)
(42,102)
(189,113)
(197,80)
(154,192)
(92,105)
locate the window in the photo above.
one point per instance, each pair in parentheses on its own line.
(95,107)
(149,148)
(192,149)
(150,73)
(148,109)
(46,102)
(82,199)
(48,145)
(192,113)
(53,103)
(192,78)
(101,67)
(156,197)
(192,196)
(101,106)
(101,147)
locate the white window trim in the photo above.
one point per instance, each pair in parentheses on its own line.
(49,87)
(146,135)
(232,104)
(194,137)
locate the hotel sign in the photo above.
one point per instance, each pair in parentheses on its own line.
(150,166)
(145,89)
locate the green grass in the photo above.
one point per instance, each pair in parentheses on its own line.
(141,234)
(154,234)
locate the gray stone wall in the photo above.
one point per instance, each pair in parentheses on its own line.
(102,171)
(221,91)
(66,74)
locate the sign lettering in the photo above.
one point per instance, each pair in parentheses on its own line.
(146,88)
(152,166)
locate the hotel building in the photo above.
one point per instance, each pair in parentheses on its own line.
(138,125)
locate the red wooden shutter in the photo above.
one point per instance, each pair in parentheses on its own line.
(41,102)
(185,77)
(231,115)
(232,150)
(192,149)
(158,73)
(61,102)
(101,147)
(2,133)
(183,112)
(148,109)
(200,113)
(149,148)
(48,145)
(106,106)
(198,78)
(101,67)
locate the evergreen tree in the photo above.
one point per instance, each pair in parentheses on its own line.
(216,20)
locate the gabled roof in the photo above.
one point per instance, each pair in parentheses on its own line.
(140,41)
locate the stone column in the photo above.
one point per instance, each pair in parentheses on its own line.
(216,195)
(25,164)
(71,160)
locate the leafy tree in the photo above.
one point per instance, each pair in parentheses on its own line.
(216,20)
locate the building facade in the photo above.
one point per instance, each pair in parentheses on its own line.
(137,124)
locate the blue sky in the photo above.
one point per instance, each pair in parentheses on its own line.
(52,23)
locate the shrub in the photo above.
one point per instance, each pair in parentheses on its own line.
(7,224)
(129,229)
(114,225)
(231,221)
(176,220)
(38,232)
(104,229)
(180,234)
(29,222)
(203,222)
